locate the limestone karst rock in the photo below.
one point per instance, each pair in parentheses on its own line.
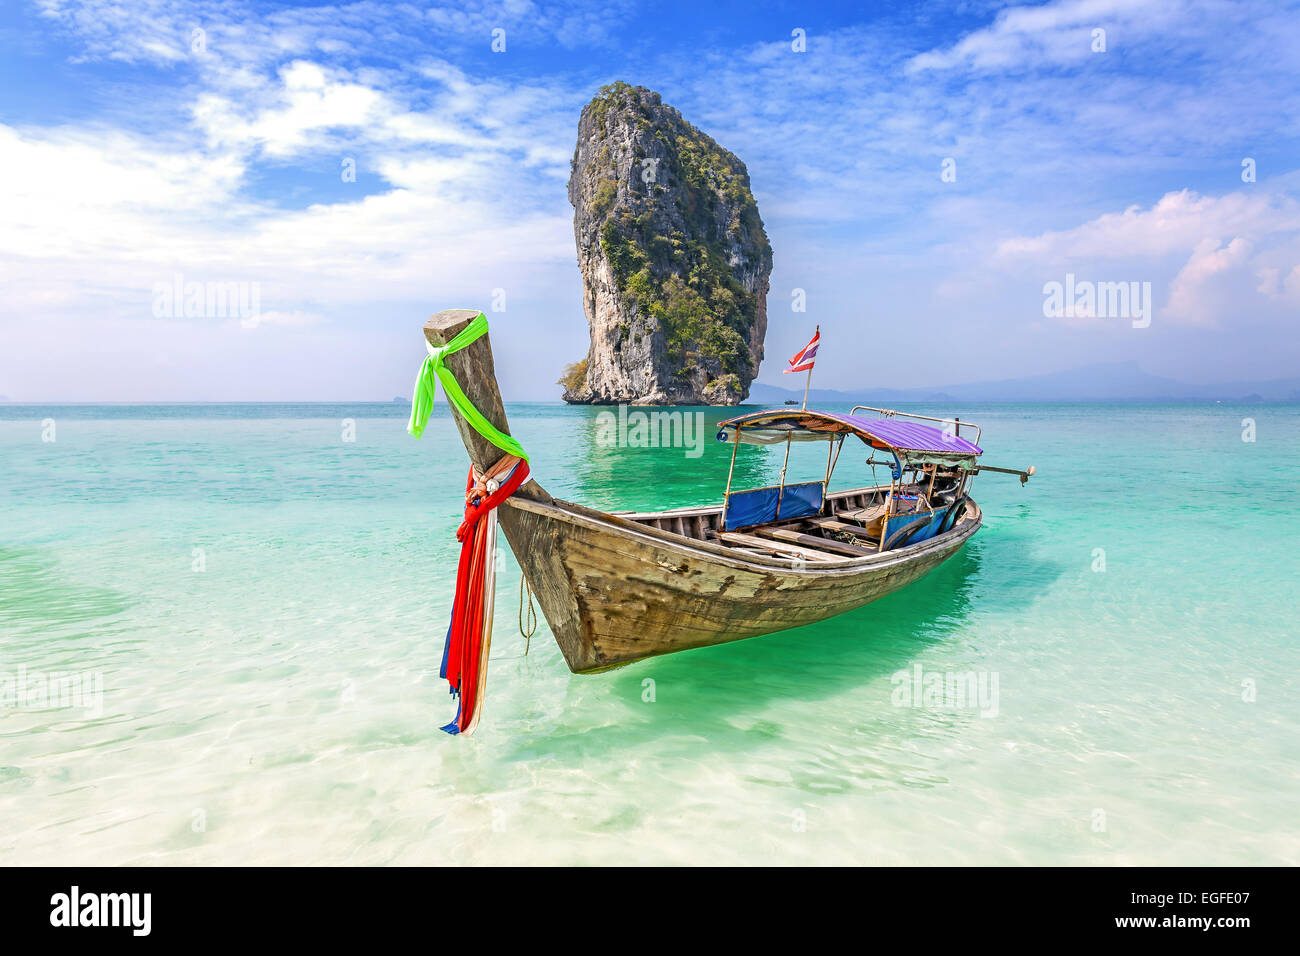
(673,256)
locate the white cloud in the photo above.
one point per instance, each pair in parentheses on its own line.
(306,103)
(83,193)
(1057,33)
(110,211)
(1193,295)
(448,163)
(146,30)
(1177,223)
(1225,249)
(1274,286)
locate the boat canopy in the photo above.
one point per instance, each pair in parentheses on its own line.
(908,440)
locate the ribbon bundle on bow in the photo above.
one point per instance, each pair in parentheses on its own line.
(469,635)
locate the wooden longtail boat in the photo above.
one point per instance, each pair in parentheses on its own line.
(620,587)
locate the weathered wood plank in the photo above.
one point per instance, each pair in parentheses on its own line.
(830,524)
(814,542)
(781,547)
(862,514)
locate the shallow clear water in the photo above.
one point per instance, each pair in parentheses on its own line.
(263,606)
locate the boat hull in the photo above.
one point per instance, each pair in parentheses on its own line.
(614,591)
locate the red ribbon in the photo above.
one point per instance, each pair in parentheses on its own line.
(465,637)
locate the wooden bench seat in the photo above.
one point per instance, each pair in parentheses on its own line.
(777,547)
(815,543)
(860,535)
(862,515)
(831,524)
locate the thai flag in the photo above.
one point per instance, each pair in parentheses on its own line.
(803,360)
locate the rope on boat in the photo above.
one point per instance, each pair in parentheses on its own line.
(875,483)
(526,631)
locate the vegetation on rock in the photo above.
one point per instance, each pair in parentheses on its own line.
(575,374)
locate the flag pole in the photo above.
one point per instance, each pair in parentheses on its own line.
(808,380)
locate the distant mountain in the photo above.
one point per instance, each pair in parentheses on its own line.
(1115,382)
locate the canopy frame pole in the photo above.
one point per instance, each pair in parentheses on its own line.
(781,493)
(735,446)
(832,445)
(895,489)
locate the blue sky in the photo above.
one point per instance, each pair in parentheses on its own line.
(137,152)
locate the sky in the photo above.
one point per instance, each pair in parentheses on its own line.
(925,172)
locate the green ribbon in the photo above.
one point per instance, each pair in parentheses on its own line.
(422,398)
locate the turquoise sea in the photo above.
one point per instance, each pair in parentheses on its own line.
(253,606)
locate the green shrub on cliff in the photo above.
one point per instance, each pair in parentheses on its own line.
(575,376)
(604,197)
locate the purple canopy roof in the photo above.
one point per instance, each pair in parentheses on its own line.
(892,434)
